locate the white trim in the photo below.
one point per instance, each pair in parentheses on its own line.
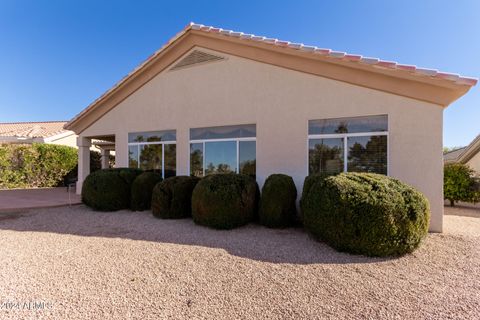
(223,140)
(341,135)
(154,142)
(237,169)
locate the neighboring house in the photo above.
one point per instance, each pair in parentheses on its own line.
(214,100)
(42,132)
(51,132)
(469,155)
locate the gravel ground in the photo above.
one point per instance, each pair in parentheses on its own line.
(94,265)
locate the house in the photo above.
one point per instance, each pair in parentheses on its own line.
(469,155)
(51,132)
(214,100)
(41,132)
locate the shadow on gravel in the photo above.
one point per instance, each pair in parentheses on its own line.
(254,242)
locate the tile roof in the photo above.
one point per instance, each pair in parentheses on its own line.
(454,154)
(32,129)
(375,62)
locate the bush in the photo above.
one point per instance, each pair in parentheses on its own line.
(366,213)
(277,204)
(459,184)
(224,201)
(172,198)
(35,166)
(109,189)
(142,187)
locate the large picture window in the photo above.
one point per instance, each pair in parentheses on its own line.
(223,150)
(356,144)
(154,150)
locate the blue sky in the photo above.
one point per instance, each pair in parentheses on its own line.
(57,56)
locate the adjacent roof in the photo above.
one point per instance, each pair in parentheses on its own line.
(453,85)
(462,155)
(453,155)
(32,129)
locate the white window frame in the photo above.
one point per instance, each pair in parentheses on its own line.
(138,144)
(203,141)
(345,137)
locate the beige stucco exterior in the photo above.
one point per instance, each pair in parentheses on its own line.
(66,139)
(474,163)
(280,102)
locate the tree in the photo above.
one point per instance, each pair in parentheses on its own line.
(459,184)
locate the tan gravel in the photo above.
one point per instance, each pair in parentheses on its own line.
(93,265)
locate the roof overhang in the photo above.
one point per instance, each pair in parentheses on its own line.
(422,84)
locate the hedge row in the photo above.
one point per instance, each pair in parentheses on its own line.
(40,165)
(360,213)
(35,165)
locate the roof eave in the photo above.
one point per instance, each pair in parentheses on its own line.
(455,85)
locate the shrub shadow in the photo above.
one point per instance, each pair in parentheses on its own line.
(292,245)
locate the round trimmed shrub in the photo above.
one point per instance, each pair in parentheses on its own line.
(277,204)
(366,213)
(141,193)
(172,198)
(224,201)
(109,189)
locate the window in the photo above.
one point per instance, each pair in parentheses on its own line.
(348,144)
(154,151)
(222,150)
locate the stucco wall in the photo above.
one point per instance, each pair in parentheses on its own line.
(70,140)
(280,102)
(474,163)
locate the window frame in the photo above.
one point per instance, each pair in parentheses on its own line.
(138,144)
(203,141)
(345,137)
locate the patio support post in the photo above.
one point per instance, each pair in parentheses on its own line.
(105,153)
(83,161)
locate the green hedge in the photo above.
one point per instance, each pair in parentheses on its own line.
(224,201)
(142,187)
(277,203)
(35,166)
(172,198)
(109,189)
(365,213)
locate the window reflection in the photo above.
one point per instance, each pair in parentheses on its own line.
(220,157)
(133,156)
(349,125)
(367,154)
(326,155)
(169,159)
(247,157)
(240,131)
(196,159)
(151,157)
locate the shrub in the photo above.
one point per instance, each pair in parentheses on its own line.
(109,189)
(224,201)
(141,193)
(172,198)
(277,204)
(459,184)
(35,166)
(366,213)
